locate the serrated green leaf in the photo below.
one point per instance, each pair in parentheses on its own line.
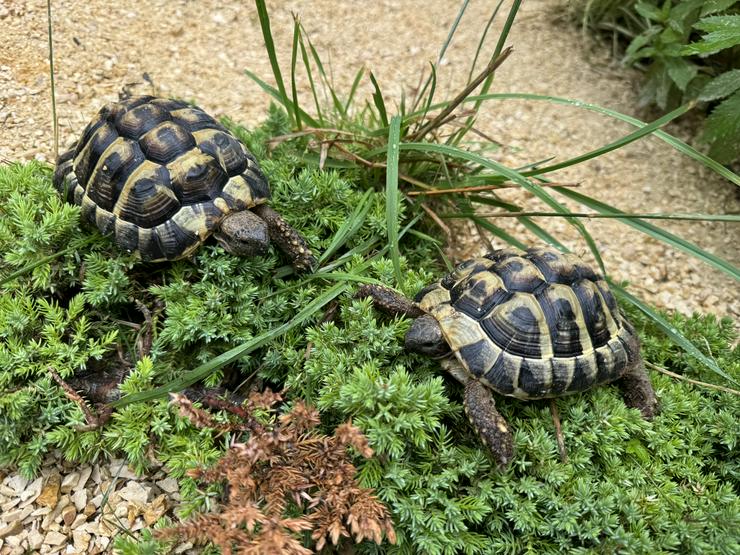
(723,31)
(722,130)
(714,6)
(681,71)
(649,11)
(721,86)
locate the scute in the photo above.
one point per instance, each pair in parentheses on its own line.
(532,324)
(159,175)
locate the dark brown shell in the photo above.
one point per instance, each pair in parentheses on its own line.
(534,324)
(159,175)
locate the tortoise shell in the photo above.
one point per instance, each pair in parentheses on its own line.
(159,175)
(532,325)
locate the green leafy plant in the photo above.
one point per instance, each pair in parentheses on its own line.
(689,49)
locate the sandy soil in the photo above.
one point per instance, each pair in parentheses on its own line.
(199,50)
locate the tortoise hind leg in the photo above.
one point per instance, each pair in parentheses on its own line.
(637,390)
(287,239)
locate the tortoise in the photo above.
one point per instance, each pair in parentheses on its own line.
(162,176)
(532,325)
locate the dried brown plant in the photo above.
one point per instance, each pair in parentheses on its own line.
(285,467)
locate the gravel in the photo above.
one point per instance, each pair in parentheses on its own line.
(80,509)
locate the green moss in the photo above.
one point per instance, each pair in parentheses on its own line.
(629,486)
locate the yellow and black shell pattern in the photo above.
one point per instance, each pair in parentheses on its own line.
(159,175)
(532,324)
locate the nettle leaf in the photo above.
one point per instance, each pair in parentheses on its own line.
(714,6)
(638,48)
(651,12)
(722,130)
(721,86)
(680,71)
(723,31)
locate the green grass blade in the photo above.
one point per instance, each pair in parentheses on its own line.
(483,39)
(498,232)
(677,144)
(349,228)
(516,177)
(270,47)
(327,82)
(677,337)
(54,123)
(286,102)
(353,89)
(734,218)
(204,370)
(293,60)
(627,139)
(655,232)
(391,194)
(309,73)
(380,103)
(430,96)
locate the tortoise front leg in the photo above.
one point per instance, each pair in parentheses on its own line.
(490,425)
(637,391)
(287,239)
(480,407)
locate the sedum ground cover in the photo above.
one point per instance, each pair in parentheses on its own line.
(628,486)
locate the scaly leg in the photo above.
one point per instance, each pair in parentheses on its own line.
(637,390)
(287,239)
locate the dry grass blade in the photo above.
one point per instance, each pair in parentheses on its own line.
(479,188)
(460,98)
(695,382)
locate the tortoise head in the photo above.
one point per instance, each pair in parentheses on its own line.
(425,337)
(243,233)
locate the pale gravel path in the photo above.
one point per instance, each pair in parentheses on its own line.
(199,50)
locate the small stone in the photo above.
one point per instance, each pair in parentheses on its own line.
(81,540)
(78,521)
(79,498)
(54,538)
(32,491)
(102,541)
(84,477)
(41,511)
(7,506)
(17,482)
(155,510)
(95,474)
(135,492)
(68,515)
(168,485)
(35,538)
(69,482)
(50,492)
(11,529)
(89,509)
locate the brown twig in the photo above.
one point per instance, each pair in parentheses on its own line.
(695,382)
(437,220)
(479,188)
(558,431)
(490,68)
(145,340)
